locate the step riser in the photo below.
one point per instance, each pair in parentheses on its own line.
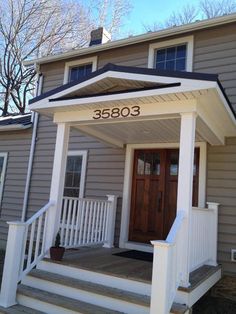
(85,296)
(43,306)
(99,278)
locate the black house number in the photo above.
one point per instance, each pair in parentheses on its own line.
(116,112)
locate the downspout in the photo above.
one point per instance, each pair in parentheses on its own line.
(35,118)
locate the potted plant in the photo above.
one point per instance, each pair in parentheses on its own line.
(57,251)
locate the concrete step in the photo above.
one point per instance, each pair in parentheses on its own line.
(97,294)
(19,309)
(52,303)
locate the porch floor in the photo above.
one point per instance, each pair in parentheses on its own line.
(102,260)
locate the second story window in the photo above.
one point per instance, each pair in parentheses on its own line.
(172,55)
(78,72)
(78,69)
(171,58)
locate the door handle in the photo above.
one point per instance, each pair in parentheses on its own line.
(159,201)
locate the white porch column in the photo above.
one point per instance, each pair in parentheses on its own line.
(57,183)
(185,185)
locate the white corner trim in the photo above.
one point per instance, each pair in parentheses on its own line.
(127,185)
(173,42)
(70,64)
(84,154)
(3,174)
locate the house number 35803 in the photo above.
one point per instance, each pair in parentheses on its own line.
(116,112)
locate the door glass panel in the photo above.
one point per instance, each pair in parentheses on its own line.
(148,164)
(174,163)
(140,165)
(156,164)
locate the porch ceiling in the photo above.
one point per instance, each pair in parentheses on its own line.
(150,131)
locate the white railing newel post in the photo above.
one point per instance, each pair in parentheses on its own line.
(213,231)
(111,218)
(12,264)
(160,277)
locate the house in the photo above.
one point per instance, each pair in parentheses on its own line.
(135,143)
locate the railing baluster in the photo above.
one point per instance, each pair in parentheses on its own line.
(97,221)
(68,216)
(78,217)
(72,222)
(93,222)
(104,221)
(89,222)
(31,244)
(63,222)
(86,221)
(39,227)
(81,222)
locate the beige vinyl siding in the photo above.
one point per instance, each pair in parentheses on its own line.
(136,55)
(17,145)
(215,52)
(221,188)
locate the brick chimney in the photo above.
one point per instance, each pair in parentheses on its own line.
(99,36)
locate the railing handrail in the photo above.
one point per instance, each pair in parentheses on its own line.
(172,235)
(86,199)
(40,212)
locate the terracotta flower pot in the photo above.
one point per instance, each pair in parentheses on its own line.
(57,253)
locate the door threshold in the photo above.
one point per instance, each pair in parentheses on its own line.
(143,247)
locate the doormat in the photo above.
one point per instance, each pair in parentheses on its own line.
(142,256)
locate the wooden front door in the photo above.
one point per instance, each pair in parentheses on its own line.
(154,193)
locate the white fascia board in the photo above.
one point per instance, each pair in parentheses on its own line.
(177,30)
(196,85)
(226,105)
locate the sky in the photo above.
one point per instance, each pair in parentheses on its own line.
(151,11)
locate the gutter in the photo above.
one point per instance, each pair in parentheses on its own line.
(195,26)
(35,118)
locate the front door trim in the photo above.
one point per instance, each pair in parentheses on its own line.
(127,187)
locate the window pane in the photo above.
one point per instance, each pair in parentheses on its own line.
(140,167)
(181,51)
(180,65)
(1,164)
(156,164)
(170,65)
(73,176)
(160,56)
(170,55)
(174,163)
(160,66)
(148,163)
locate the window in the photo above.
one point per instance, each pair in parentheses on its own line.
(172,58)
(3,165)
(75,174)
(173,55)
(79,72)
(75,70)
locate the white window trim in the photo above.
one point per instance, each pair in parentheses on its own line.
(3,174)
(70,64)
(84,155)
(173,42)
(127,188)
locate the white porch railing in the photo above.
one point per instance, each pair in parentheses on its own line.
(167,265)
(87,221)
(25,248)
(203,247)
(167,268)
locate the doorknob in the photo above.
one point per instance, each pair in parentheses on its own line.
(159,201)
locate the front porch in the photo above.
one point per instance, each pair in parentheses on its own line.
(133,109)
